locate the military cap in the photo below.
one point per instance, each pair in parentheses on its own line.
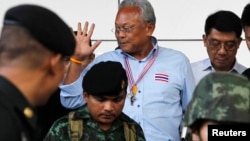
(105,79)
(221,97)
(44,25)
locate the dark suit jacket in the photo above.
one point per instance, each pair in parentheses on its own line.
(17,117)
(49,113)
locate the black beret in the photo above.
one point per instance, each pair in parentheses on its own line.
(44,25)
(105,79)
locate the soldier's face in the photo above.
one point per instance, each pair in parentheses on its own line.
(202,134)
(104,110)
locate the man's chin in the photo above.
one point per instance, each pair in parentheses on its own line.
(124,46)
(107,120)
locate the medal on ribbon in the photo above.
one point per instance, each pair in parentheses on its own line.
(133,91)
(131,81)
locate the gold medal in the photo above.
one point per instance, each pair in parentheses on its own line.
(134,90)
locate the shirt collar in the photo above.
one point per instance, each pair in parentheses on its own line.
(208,66)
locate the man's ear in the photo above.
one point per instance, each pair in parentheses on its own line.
(150,28)
(55,60)
(85,96)
(195,136)
(204,38)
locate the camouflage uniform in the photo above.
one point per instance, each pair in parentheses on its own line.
(59,130)
(220,97)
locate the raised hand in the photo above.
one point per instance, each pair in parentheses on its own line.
(84,51)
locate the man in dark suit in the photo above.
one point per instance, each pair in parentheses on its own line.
(33,46)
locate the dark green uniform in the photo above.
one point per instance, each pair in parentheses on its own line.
(91,131)
(17,119)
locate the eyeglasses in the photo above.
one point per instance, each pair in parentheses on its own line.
(124,29)
(216,45)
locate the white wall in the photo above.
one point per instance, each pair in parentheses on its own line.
(176,19)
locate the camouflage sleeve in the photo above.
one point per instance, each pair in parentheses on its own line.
(58,131)
(139,133)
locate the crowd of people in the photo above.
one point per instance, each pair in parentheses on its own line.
(54,88)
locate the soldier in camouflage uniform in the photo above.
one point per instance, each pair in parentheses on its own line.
(219,98)
(101,118)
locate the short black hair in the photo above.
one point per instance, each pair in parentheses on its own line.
(245,17)
(224,21)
